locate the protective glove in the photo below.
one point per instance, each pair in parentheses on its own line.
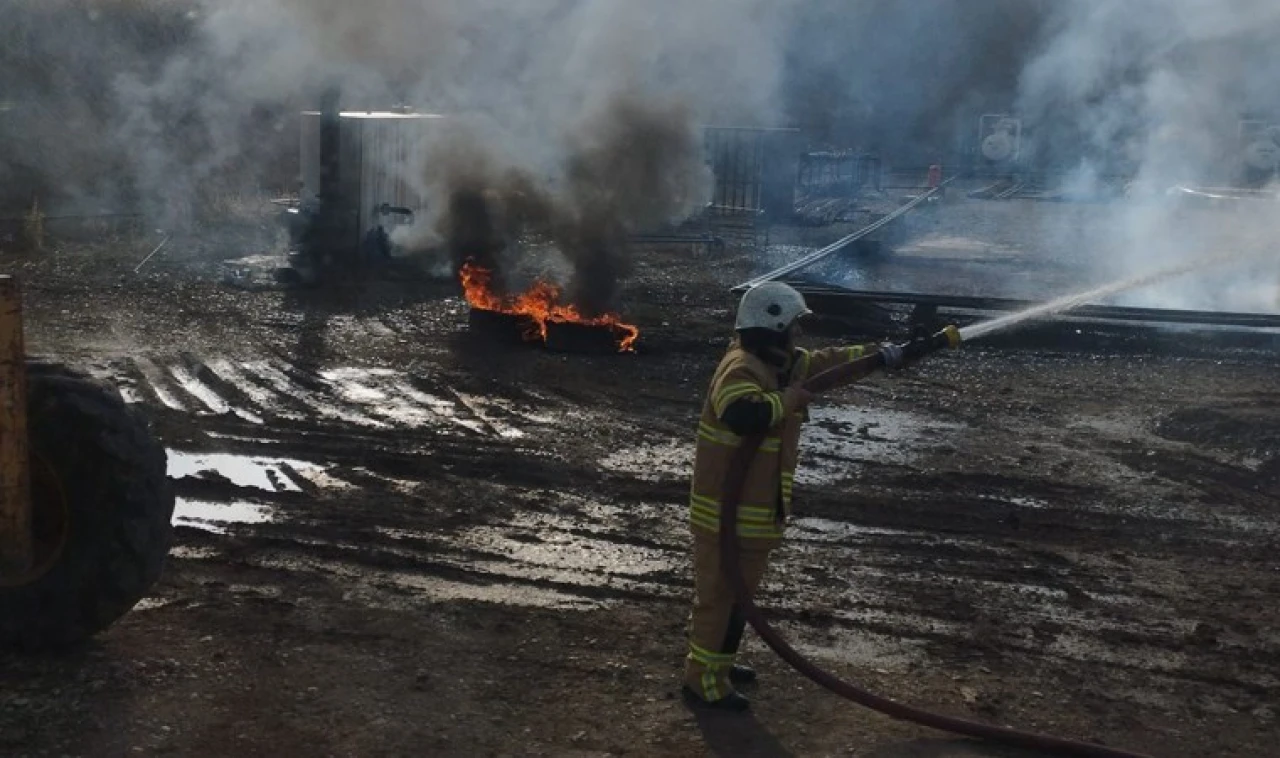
(795,398)
(894,357)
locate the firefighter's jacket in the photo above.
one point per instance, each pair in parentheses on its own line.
(766,496)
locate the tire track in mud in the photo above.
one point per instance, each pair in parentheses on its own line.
(342,434)
(458,495)
(272,391)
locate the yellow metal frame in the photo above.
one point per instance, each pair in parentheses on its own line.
(15,471)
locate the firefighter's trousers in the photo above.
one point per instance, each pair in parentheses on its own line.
(716,625)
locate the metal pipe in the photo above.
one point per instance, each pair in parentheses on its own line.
(842,243)
(158,248)
(330,136)
(826,298)
(1011,191)
(735,480)
(15,471)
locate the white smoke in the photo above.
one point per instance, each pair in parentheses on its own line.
(1156,89)
(154,103)
(905,79)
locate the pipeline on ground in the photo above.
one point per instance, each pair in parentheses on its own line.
(735,479)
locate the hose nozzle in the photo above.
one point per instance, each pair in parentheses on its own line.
(953,336)
(919,348)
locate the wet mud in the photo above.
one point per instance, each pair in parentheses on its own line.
(395,537)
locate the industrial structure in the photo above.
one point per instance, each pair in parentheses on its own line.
(357,188)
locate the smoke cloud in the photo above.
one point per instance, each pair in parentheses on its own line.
(907,79)
(582,115)
(1155,92)
(575,121)
(589,115)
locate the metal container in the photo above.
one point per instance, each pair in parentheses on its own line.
(378,153)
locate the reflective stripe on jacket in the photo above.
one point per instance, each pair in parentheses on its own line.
(766,497)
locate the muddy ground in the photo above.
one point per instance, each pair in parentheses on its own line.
(397,536)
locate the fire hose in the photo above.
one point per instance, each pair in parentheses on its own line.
(735,480)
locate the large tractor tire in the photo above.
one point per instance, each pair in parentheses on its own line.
(102,510)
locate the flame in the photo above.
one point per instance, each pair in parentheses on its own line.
(540,304)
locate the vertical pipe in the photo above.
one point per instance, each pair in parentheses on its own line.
(735,167)
(330,134)
(740,170)
(718,169)
(15,473)
(751,157)
(758,168)
(731,161)
(730,179)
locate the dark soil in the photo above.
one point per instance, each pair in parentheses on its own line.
(477,547)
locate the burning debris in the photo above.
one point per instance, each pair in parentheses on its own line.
(630,166)
(540,308)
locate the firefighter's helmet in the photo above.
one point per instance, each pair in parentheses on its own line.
(770,305)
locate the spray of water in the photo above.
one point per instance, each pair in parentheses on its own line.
(1069,302)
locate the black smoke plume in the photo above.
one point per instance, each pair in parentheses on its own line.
(632,166)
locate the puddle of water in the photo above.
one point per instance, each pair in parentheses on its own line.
(1029,502)
(824,530)
(262,473)
(838,435)
(242,438)
(369,586)
(216,517)
(573,549)
(567,556)
(439,589)
(151,604)
(241,470)
(1033,503)
(835,437)
(546,546)
(193,553)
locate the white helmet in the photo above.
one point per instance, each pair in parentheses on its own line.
(772,306)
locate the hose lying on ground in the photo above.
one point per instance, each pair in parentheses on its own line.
(735,479)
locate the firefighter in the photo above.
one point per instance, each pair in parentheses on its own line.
(756,389)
